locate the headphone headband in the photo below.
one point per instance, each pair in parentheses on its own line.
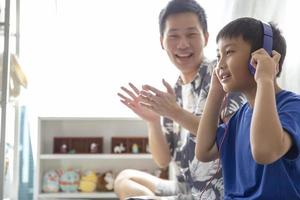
(267,42)
(268,37)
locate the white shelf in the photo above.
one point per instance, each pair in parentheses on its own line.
(77,195)
(96,156)
(51,127)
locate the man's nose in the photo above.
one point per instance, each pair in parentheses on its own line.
(183,43)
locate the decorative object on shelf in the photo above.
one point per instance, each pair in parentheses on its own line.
(78,145)
(69,181)
(51,181)
(148,148)
(106,181)
(131,144)
(72,151)
(88,181)
(119,148)
(94,147)
(64,148)
(135,148)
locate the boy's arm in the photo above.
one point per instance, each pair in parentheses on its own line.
(269,142)
(206,148)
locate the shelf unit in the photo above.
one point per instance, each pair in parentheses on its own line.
(50,127)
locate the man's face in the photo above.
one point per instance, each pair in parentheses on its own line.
(232,68)
(184,41)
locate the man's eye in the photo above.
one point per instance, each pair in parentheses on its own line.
(172,36)
(192,34)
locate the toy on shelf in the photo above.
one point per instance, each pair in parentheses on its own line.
(135,148)
(51,181)
(106,181)
(69,181)
(119,148)
(129,145)
(148,148)
(94,147)
(88,182)
(64,148)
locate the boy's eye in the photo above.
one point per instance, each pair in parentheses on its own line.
(229,52)
(218,57)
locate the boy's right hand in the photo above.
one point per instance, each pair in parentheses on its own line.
(215,84)
(133,102)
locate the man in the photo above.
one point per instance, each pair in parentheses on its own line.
(183,31)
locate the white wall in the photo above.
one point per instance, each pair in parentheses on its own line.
(77,53)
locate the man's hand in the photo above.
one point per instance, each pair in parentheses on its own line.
(162,103)
(133,102)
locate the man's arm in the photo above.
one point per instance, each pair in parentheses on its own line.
(158,144)
(157,141)
(269,142)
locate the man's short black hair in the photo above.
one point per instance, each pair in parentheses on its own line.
(251,30)
(181,6)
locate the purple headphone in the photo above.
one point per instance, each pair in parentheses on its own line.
(267,42)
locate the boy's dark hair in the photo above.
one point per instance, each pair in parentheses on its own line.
(181,6)
(251,31)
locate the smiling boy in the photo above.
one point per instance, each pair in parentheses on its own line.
(259,147)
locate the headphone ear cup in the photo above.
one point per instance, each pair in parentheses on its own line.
(251,69)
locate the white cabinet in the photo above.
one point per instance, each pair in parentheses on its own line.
(88,127)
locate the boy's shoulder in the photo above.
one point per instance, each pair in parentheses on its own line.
(283,97)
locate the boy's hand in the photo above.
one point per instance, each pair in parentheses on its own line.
(266,66)
(133,102)
(215,84)
(162,103)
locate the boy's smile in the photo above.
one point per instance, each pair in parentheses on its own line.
(224,76)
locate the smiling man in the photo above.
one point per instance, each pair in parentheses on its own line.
(183,35)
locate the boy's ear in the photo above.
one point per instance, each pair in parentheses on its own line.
(162,42)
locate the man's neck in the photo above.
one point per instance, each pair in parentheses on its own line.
(189,76)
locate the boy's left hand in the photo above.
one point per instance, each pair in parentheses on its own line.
(266,66)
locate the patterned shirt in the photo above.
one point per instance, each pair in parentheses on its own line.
(195,175)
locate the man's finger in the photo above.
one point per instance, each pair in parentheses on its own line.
(169,87)
(124,98)
(134,88)
(148,97)
(152,89)
(129,92)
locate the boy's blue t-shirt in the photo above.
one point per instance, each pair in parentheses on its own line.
(246,179)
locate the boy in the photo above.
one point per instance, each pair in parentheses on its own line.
(259,147)
(183,31)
